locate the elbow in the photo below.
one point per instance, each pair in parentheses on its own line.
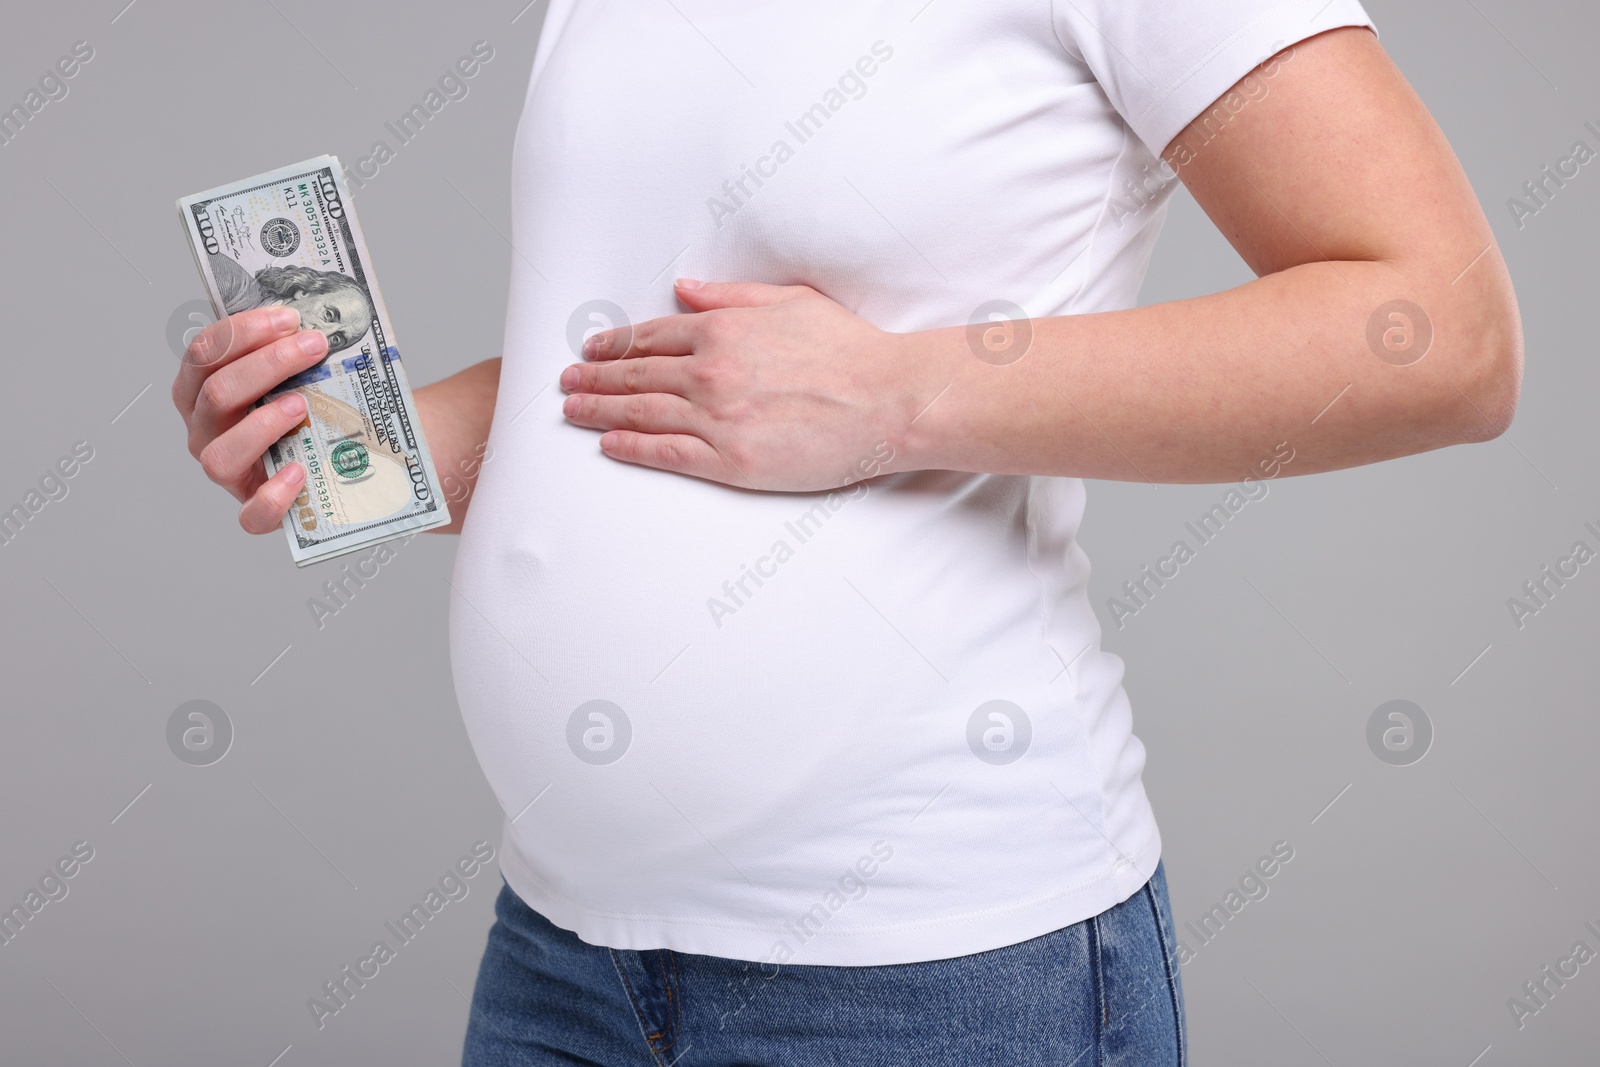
(1497,389)
(1483,401)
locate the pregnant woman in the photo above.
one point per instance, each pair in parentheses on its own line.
(770,625)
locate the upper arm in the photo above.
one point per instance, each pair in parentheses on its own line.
(1325,152)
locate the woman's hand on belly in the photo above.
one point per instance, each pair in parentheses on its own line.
(765,387)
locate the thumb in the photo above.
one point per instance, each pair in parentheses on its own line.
(707,296)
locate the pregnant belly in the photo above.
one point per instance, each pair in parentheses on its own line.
(671,666)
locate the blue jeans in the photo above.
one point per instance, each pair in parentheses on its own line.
(1104,992)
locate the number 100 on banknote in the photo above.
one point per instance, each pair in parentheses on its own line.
(290,238)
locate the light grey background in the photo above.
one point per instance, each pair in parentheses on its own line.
(217,904)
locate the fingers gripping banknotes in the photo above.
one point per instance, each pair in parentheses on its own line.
(290,237)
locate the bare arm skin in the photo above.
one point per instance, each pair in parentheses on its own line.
(1337,188)
(1339,191)
(456,413)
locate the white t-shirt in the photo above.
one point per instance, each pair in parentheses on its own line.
(866,727)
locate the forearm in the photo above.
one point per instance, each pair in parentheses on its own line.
(1205,390)
(455,414)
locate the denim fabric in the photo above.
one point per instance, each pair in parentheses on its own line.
(1104,992)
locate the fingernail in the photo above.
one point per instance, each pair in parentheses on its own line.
(569,378)
(689,283)
(570,406)
(292,404)
(591,345)
(295,474)
(312,342)
(608,441)
(284,318)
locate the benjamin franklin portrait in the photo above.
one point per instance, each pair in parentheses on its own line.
(326,300)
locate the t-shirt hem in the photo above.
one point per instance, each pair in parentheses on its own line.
(940,938)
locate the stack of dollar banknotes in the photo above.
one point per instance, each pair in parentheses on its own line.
(289,237)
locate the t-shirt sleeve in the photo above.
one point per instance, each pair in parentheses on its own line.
(1163,62)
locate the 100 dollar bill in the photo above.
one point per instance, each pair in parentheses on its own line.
(290,237)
